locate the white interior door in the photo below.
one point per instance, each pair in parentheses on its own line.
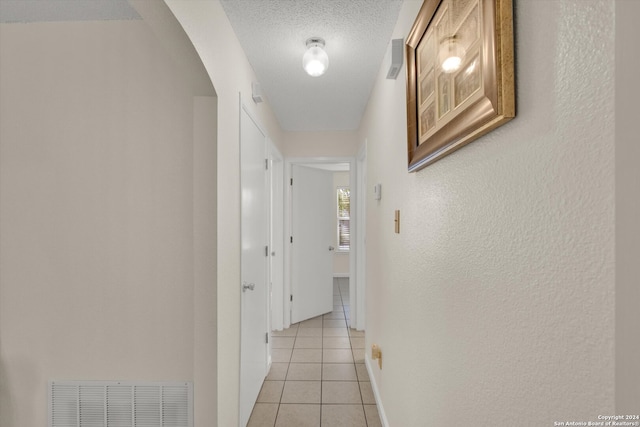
(254,234)
(311,251)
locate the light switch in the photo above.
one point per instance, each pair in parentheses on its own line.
(377,191)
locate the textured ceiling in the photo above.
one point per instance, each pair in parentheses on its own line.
(65,10)
(273,35)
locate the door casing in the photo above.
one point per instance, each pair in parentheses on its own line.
(354,295)
(276,221)
(254,266)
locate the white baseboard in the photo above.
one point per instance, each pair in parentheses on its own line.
(376,393)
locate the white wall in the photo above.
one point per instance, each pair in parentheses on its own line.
(495,304)
(207,26)
(340,259)
(205,205)
(97,207)
(320,144)
(325,144)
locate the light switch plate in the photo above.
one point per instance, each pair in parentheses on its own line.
(376,354)
(377,191)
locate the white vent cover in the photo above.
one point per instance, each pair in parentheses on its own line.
(120,404)
(397,57)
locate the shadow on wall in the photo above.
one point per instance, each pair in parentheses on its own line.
(24,393)
(6,415)
(31,376)
(24,369)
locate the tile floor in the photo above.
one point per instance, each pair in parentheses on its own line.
(318,377)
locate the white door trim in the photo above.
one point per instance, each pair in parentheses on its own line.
(288,164)
(244,416)
(360,265)
(277,243)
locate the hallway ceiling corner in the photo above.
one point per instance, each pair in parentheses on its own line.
(273,34)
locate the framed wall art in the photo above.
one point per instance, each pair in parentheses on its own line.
(460,75)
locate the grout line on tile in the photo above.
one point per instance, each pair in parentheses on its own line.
(341,293)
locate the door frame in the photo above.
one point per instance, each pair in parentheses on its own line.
(361,228)
(276,239)
(267,143)
(356,298)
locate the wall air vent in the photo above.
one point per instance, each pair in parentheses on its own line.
(397,58)
(120,404)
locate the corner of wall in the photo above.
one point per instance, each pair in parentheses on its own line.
(627,237)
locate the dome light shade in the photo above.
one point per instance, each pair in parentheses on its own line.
(451,54)
(315,60)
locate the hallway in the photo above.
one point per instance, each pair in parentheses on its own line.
(318,376)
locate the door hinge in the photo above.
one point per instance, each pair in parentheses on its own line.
(291,239)
(266,251)
(266,164)
(266,337)
(291,298)
(291,182)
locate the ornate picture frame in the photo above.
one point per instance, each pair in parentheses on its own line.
(460,75)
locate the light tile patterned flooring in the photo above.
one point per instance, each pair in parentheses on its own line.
(318,377)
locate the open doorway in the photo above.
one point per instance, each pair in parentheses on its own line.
(311,243)
(342,266)
(329,346)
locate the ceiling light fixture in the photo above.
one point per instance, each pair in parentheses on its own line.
(451,54)
(315,60)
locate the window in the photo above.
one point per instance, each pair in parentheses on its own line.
(344,221)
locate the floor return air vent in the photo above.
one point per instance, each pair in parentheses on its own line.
(120,404)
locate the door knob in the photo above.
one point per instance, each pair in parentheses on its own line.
(250,286)
(331,248)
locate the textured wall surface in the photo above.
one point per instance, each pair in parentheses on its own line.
(495,304)
(627,209)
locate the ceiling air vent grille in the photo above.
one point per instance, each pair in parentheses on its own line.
(120,404)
